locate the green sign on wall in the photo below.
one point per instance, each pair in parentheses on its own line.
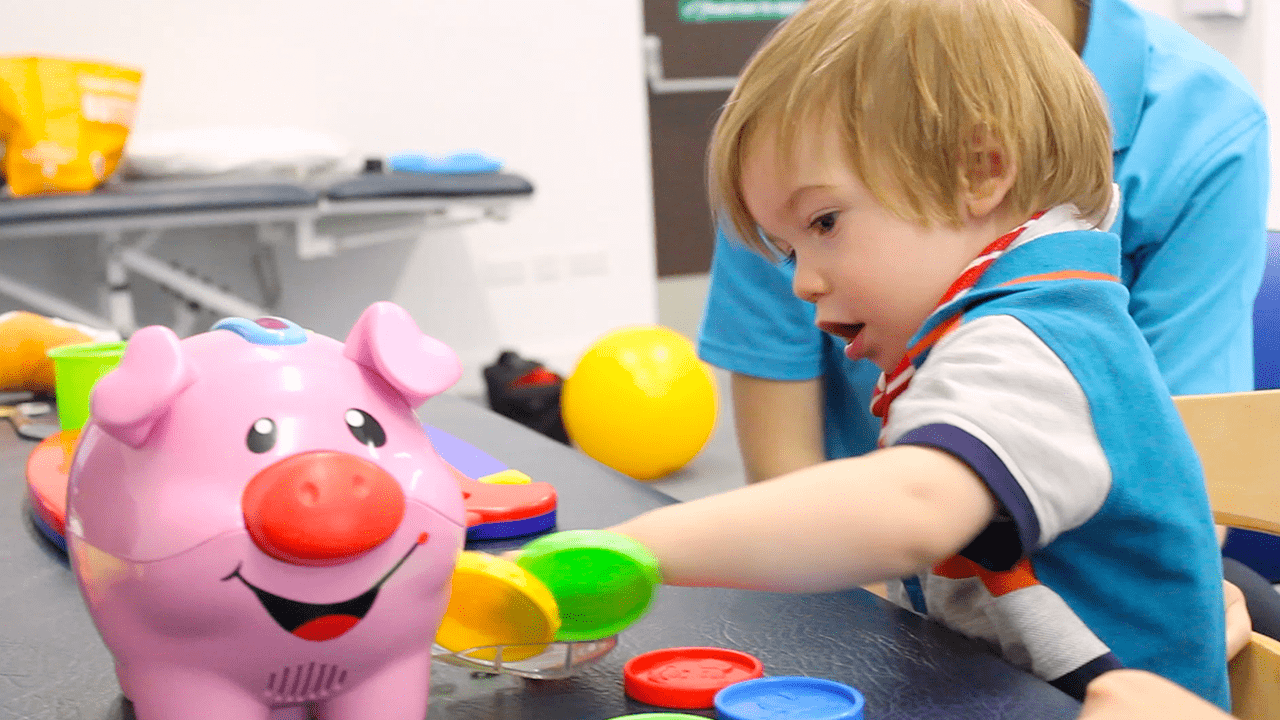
(698,11)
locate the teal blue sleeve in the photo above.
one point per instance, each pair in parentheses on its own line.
(753,324)
(1193,292)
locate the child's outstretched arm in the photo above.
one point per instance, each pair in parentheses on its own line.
(1139,695)
(831,526)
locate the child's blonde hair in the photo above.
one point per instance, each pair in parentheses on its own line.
(910,85)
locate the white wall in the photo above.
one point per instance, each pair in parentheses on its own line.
(555,89)
(1252,43)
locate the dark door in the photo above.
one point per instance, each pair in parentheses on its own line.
(694,49)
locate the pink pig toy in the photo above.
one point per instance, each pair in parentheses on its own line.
(259,525)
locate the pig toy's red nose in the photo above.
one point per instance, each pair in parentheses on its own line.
(321,508)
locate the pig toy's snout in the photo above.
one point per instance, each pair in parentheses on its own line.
(322,508)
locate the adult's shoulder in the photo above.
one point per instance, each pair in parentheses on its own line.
(1184,118)
(1165,87)
(1183,67)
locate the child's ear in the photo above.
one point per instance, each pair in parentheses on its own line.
(986,175)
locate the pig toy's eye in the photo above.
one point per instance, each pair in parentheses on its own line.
(365,428)
(262,436)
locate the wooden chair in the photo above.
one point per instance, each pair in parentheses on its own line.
(1238,438)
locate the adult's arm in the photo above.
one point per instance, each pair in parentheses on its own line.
(755,328)
(779,424)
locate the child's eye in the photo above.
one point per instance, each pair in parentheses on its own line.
(781,248)
(824,223)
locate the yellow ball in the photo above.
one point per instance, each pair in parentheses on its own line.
(640,401)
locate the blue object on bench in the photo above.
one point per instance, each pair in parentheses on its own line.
(462,163)
(1261,551)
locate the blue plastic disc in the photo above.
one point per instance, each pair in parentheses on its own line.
(779,698)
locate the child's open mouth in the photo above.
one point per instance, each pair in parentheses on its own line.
(849,332)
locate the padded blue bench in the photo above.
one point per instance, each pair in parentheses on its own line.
(130,216)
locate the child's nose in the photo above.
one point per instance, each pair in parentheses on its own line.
(807,285)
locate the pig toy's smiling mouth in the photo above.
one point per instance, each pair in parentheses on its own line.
(318,622)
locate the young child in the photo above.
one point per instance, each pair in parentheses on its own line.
(940,175)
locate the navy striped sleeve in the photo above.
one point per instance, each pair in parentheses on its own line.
(1016,531)
(1076,682)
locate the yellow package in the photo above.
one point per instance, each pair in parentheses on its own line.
(64,122)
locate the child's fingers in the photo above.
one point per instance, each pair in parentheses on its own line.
(1239,624)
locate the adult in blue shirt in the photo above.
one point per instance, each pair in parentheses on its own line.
(1191,159)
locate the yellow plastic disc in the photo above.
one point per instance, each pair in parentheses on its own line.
(496,602)
(506,477)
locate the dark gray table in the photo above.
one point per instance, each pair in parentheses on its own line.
(54,667)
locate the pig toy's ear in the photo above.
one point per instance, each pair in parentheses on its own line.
(386,340)
(128,401)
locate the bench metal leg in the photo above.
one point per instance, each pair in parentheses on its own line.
(50,304)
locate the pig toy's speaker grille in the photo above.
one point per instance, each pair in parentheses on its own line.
(305,683)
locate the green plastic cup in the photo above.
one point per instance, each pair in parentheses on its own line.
(76,368)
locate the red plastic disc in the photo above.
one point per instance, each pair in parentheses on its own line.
(686,678)
(47,468)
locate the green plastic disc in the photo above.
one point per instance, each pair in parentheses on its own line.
(602,581)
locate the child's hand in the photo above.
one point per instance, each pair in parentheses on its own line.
(602,581)
(1239,624)
(1140,695)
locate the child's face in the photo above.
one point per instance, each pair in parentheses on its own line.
(873,276)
